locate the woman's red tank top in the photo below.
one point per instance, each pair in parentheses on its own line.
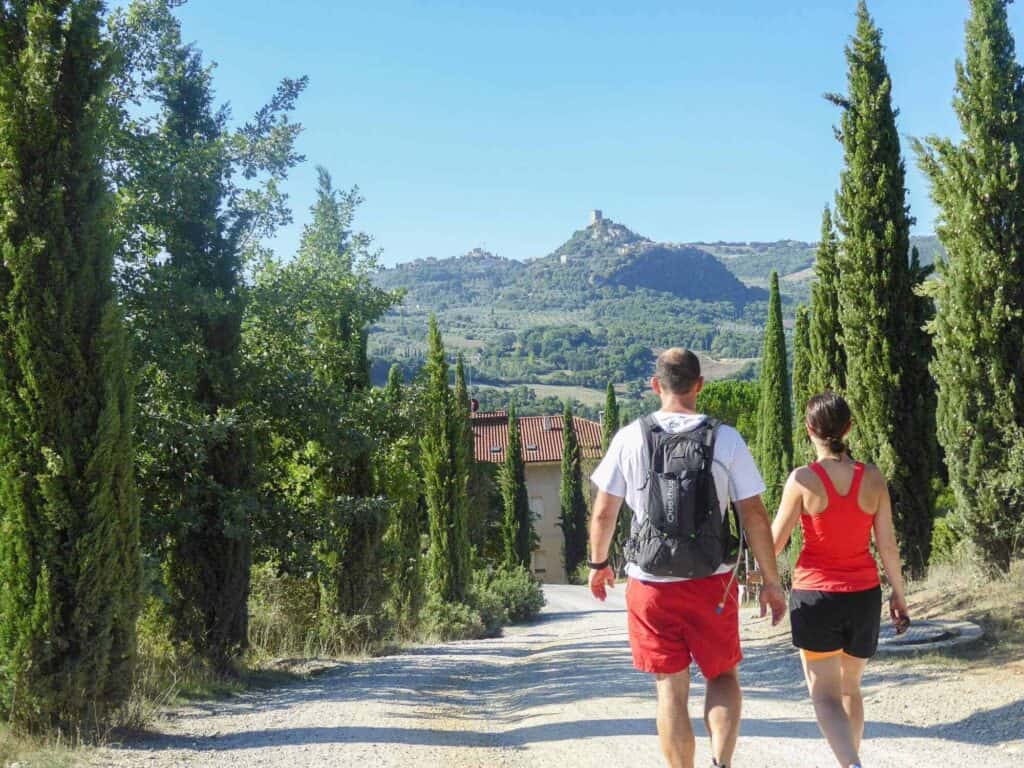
(836,556)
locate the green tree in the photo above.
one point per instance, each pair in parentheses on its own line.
(735,403)
(610,423)
(802,392)
(445,478)
(877,303)
(610,418)
(517,532)
(979,323)
(828,357)
(69,538)
(195,199)
(775,411)
(573,515)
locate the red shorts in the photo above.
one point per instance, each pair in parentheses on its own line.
(674,623)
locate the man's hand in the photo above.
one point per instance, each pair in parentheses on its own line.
(773,597)
(599,580)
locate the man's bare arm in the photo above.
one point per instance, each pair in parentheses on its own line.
(602,528)
(759,536)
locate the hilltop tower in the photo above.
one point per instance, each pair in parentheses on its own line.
(596,217)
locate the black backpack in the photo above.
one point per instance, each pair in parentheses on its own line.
(684,533)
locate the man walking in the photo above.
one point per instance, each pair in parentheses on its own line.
(678,471)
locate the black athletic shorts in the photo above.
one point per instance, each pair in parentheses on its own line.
(834,621)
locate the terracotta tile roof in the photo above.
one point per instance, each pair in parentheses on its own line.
(541,437)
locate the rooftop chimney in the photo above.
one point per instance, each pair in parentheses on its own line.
(547,423)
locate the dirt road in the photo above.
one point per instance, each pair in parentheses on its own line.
(562,692)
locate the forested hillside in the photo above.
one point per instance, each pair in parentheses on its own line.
(593,310)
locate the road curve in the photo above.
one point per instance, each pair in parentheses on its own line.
(562,692)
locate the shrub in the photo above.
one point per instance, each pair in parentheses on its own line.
(520,593)
(451,621)
(948,540)
(360,634)
(283,617)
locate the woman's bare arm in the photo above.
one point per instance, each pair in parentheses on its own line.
(790,509)
(889,552)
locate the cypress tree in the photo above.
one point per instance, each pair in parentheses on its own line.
(402,487)
(610,423)
(828,358)
(444,479)
(979,322)
(802,448)
(462,436)
(775,419)
(517,533)
(69,540)
(573,516)
(610,417)
(877,303)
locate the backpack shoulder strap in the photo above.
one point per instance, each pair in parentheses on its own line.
(648,427)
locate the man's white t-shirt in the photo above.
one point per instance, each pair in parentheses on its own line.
(623,472)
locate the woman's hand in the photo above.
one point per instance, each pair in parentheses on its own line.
(899,613)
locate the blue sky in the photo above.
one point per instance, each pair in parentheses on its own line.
(501,124)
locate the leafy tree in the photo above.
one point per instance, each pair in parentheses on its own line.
(877,303)
(979,323)
(330,443)
(517,532)
(573,516)
(827,355)
(69,538)
(802,392)
(775,414)
(444,479)
(195,198)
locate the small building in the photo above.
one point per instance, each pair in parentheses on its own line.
(542,458)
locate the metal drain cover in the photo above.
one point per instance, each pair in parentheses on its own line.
(928,635)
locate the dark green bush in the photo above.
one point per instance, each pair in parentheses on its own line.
(518,591)
(451,621)
(948,538)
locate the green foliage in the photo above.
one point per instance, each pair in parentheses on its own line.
(828,357)
(610,418)
(734,403)
(886,354)
(184,244)
(517,591)
(775,414)
(445,476)
(573,515)
(803,451)
(517,533)
(979,324)
(446,621)
(69,538)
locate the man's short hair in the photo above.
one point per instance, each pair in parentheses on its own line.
(678,370)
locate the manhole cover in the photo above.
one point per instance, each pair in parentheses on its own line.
(927,636)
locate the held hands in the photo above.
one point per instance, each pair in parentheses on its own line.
(773,597)
(599,579)
(899,613)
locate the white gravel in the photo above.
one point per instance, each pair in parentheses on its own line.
(562,692)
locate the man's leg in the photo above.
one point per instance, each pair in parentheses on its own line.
(825,682)
(853,702)
(674,729)
(722,705)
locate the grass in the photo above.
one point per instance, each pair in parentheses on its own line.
(31,753)
(961,591)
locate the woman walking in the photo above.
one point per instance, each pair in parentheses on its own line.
(835,605)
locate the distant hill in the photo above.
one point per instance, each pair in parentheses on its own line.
(595,309)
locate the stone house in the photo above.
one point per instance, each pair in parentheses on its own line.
(542,458)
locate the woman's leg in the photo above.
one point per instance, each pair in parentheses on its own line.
(824,675)
(853,702)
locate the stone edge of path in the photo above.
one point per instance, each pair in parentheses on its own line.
(965,633)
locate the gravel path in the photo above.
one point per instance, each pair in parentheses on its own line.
(562,692)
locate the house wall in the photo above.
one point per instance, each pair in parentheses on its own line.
(543,483)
